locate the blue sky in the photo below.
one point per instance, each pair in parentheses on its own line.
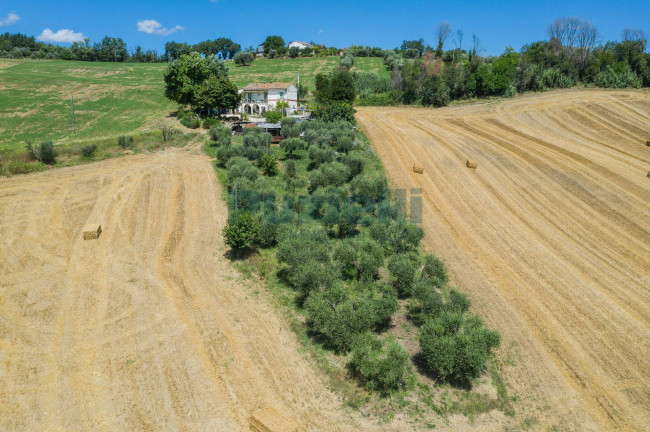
(333,22)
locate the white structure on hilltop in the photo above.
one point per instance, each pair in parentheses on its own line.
(258,98)
(300,45)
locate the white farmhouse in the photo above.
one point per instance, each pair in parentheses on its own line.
(260,97)
(300,45)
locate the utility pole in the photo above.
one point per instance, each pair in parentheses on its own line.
(74,125)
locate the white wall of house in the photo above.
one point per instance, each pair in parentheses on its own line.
(289,95)
(256,102)
(299,45)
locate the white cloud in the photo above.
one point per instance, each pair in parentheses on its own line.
(62,36)
(320,31)
(150,26)
(11,18)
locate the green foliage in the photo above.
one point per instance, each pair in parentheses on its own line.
(125,141)
(435,92)
(238,168)
(381,365)
(397,237)
(241,232)
(88,151)
(456,346)
(217,92)
(308,263)
(294,52)
(272,116)
(244,58)
(292,145)
(359,260)
(369,189)
(290,128)
(402,268)
(274,43)
(355,165)
(209,122)
(220,135)
(185,76)
(434,271)
(328,174)
(225,153)
(269,165)
(610,78)
(44,152)
(290,169)
(338,314)
(320,155)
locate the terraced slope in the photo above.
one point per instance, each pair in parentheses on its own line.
(550,236)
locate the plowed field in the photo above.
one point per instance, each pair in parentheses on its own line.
(550,237)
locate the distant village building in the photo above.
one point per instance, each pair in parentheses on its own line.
(258,98)
(260,50)
(300,45)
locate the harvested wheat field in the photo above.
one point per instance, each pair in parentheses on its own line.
(550,237)
(146,327)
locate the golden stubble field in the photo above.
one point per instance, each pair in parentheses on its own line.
(149,327)
(550,237)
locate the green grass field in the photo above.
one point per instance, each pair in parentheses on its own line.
(114,98)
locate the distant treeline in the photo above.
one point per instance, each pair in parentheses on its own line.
(573,54)
(110,49)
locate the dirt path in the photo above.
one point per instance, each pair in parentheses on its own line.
(147,328)
(549,236)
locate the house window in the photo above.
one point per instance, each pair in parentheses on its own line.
(281,95)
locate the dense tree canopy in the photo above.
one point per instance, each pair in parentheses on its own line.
(201,82)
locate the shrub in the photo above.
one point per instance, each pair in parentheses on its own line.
(380,99)
(402,268)
(380,365)
(268,233)
(125,141)
(457,347)
(243,58)
(290,169)
(290,128)
(320,155)
(194,123)
(371,258)
(397,236)
(434,270)
(307,258)
(224,153)
(44,152)
(294,52)
(88,151)
(355,165)
(257,138)
(329,174)
(209,122)
(272,116)
(345,255)
(220,135)
(610,78)
(269,165)
(338,316)
(367,189)
(241,232)
(239,167)
(292,145)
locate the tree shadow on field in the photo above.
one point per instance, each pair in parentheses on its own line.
(238,256)
(420,363)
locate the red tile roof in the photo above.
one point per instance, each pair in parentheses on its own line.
(267,86)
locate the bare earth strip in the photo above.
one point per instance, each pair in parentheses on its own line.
(148,327)
(550,236)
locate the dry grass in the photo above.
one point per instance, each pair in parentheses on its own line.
(550,239)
